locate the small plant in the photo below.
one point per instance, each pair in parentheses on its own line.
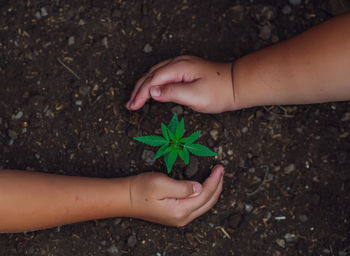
(173,144)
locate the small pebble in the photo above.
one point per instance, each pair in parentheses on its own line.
(265,32)
(113,250)
(303,218)
(158,254)
(248,207)
(105,42)
(342,253)
(148,48)
(18,115)
(251,170)
(326,251)
(214,134)
(119,72)
(230,152)
(281,243)
(178,110)
(132,241)
(294,2)
(245,129)
(37,156)
(289,237)
(38,15)
(79,102)
(43,12)
(290,168)
(286,9)
(71,40)
(147,156)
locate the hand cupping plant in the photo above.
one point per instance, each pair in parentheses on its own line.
(173,144)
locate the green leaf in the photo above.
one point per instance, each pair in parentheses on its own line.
(165,131)
(180,129)
(162,151)
(170,159)
(152,140)
(185,156)
(173,123)
(171,135)
(190,139)
(199,150)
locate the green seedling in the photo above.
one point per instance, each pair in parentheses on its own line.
(172,144)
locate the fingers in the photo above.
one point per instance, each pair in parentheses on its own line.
(173,72)
(209,204)
(180,93)
(210,187)
(142,80)
(170,188)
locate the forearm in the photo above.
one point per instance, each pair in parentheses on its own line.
(31,200)
(310,68)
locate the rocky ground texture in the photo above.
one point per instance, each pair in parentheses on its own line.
(67,68)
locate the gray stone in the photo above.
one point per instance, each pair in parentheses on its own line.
(295,2)
(105,42)
(303,218)
(281,243)
(248,208)
(113,250)
(37,15)
(287,9)
(342,253)
(148,48)
(265,32)
(192,168)
(18,115)
(12,134)
(289,237)
(245,129)
(71,40)
(79,102)
(178,110)
(43,12)
(290,168)
(119,72)
(132,241)
(147,156)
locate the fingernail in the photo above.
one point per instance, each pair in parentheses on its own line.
(132,104)
(196,189)
(155,91)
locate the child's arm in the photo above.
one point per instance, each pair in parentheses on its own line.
(31,200)
(310,68)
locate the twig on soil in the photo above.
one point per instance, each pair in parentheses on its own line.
(225,232)
(262,182)
(64,65)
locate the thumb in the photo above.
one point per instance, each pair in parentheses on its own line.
(180,93)
(180,189)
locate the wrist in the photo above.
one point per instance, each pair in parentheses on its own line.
(121,194)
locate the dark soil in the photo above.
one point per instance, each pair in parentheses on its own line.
(80,127)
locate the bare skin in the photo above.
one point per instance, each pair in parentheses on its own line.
(312,67)
(32,200)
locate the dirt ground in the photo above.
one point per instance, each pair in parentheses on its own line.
(287,181)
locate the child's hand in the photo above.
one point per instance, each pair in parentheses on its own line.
(201,85)
(157,198)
